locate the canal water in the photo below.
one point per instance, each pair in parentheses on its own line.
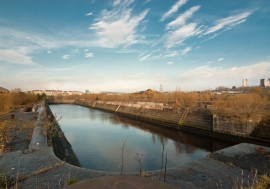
(97,139)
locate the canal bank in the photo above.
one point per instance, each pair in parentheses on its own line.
(40,168)
(201,122)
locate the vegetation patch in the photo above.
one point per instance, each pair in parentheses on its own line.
(7,180)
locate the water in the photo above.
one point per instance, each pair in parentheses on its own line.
(97,139)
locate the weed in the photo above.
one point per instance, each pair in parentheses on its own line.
(7,180)
(71,181)
(263,182)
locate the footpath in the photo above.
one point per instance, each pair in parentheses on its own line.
(38,167)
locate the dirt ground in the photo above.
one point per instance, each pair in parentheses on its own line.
(16,132)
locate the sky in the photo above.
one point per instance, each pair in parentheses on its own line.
(128,45)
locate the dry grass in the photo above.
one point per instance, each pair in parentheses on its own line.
(16,134)
(263,182)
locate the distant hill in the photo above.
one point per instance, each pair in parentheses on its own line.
(3,90)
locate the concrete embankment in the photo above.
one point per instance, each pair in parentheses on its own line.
(57,139)
(199,122)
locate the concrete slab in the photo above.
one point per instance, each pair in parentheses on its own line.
(246,156)
(39,139)
(120,182)
(241,149)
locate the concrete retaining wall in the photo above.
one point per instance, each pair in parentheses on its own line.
(233,126)
(61,147)
(262,130)
(200,122)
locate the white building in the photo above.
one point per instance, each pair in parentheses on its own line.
(244,83)
(265,83)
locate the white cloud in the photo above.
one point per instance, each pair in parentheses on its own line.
(66,57)
(206,77)
(86,50)
(181,20)
(170,63)
(147,1)
(89,14)
(116,2)
(49,52)
(25,42)
(229,21)
(118,27)
(171,54)
(146,57)
(15,57)
(178,36)
(186,50)
(174,9)
(220,59)
(88,55)
(163,54)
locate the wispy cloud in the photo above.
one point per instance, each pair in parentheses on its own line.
(178,36)
(170,63)
(229,21)
(25,42)
(15,57)
(181,20)
(174,9)
(88,55)
(118,27)
(89,14)
(147,1)
(186,50)
(145,57)
(171,54)
(66,57)
(164,54)
(220,59)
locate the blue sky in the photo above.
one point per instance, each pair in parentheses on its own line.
(128,45)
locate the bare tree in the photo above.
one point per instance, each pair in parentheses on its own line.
(244,106)
(139,158)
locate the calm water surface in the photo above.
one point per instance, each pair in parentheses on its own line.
(97,138)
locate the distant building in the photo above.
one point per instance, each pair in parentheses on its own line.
(56,92)
(265,83)
(244,83)
(40,92)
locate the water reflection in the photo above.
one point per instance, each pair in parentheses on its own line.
(97,137)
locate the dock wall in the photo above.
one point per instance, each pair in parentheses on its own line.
(200,121)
